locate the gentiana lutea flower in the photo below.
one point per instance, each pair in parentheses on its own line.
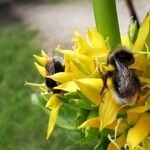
(84,66)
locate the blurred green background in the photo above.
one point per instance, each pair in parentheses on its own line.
(23,125)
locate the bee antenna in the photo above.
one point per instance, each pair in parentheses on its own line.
(132,11)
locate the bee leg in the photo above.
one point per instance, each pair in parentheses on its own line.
(104,78)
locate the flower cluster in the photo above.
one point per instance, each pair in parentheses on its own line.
(78,106)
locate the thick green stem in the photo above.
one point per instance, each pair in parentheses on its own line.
(106,20)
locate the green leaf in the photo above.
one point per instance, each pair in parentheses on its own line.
(106,20)
(80,103)
(76,100)
(39,101)
(81,116)
(91,134)
(67,117)
(102,144)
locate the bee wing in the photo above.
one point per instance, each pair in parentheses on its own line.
(50,68)
(123,75)
(126,82)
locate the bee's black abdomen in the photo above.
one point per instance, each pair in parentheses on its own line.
(58,66)
(50,83)
(53,66)
(126,83)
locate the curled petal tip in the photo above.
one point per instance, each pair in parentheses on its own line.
(40,60)
(41,69)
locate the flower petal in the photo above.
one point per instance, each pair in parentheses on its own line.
(35,84)
(82,63)
(41,70)
(142,34)
(108,110)
(80,44)
(94,122)
(145,80)
(121,127)
(40,60)
(91,88)
(68,86)
(63,77)
(135,113)
(137,134)
(96,40)
(146,143)
(43,53)
(120,142)
(52,119)
(140,63)
(84,66)
(53,101)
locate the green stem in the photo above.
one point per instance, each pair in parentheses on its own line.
(106,20)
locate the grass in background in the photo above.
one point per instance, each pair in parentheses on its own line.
(23,125)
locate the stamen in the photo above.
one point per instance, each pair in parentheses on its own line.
(116,128)
(126,147)
(141,52)
(113,141)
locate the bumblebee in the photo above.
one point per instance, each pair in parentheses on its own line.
(53,65)
(125,81)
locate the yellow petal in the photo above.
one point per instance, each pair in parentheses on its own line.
(108,110)
(94,122)
(83,63)
(68,86)
(63,77)
(140,131)
(72,53)
(84,66)
(43,53)
(120,141)
(140,63)
(96,40)
(139,109)
(142,34)
(53,101)
(68,64)
(135,113)
(146,143)
(125,41)
(91,88)
(121,128)
(80,44)
(52,119)
(40,60)
(41,70)
(145,80)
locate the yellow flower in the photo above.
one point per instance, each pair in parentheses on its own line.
(136,116)
(84,67)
